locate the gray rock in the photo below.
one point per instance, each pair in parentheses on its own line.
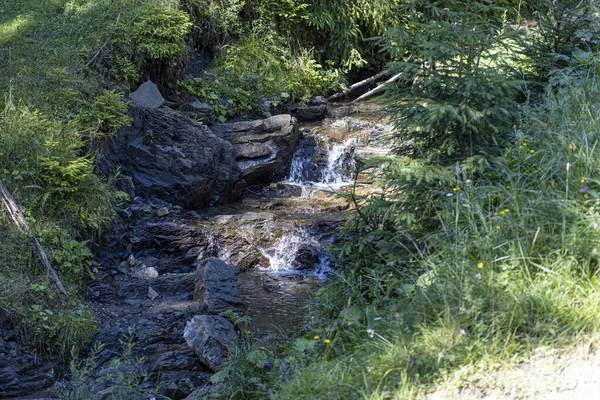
(147,95)
(317,100)
(263,148)
(161,212)
(175,159)
(145,272)
(216,286)
(210,336)
(152,294)
(340,112)
(309,113)
(197,109)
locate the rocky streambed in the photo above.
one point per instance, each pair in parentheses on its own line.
(234,217)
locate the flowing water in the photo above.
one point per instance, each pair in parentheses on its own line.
(297,261)
(278,236)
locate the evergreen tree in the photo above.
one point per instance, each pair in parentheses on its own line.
(456,95)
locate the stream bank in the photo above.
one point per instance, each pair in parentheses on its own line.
(264,199)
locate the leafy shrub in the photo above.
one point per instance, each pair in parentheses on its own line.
(107,114)
(159,37)
(562,29)
(260,72)
(42,167)
(123,375)
(216,23)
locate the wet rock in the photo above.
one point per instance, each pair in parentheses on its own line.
(317,100)
(161,212)
(309,113)
(175,236)
(240,236)
(210,336)
(340,112)
(22,374)
(179,286)
(147,95)
(175,159)
(216,286)
(263,148)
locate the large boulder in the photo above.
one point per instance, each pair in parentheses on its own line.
(263,148)
(210,336)
(216,286)
(168,155)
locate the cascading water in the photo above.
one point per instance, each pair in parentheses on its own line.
(340,163)
(293,250)
(336,172)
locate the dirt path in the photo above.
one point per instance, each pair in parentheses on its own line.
(547,375)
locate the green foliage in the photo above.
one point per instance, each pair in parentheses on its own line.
(562,28)
(216,23)
(457,94)
(338,29)
(40,163)
(257,69)
(107,114)
(124,375)
(159,37)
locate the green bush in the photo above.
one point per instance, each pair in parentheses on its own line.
(562,29)
(159,37)
(107,114)
(42,166)
(257,69)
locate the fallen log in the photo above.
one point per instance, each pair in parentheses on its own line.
(377,89)
(17,217)
(359,85)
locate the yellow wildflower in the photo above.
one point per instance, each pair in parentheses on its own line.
(455,189)
(316,338)
(480,265)
(572,147)
(326,341)
(498,227)
(532,151)
(582,181)
(262,347)
(453,276)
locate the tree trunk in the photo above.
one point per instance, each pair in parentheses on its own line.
(17,217)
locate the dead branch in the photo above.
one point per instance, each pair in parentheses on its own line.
(377,89)
(17,217)
(358,85)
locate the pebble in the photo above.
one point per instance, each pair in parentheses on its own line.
(161,212)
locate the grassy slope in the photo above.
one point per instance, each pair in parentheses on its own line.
(44,84)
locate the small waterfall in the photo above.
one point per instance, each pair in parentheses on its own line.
(296,251)
(336,172)
(340,163)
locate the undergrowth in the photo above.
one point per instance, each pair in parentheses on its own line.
(487,260)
